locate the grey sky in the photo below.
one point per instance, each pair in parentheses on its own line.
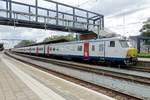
(109,7)
(114,11)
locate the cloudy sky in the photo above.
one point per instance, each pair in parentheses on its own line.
(124,17)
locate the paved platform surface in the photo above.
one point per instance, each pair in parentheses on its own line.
(144,59)
(19,81)
(11,87)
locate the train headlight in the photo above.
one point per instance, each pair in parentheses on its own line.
(132,52)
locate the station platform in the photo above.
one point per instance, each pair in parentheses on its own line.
(144,59)
(19,81)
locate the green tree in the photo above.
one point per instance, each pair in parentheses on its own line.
(69,37)
(145,31)
(25,43)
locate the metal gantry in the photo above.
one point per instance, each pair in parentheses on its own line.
(27,15)
(139,38)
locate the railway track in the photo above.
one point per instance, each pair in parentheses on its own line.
(142,69)
(89,68)
(84,67)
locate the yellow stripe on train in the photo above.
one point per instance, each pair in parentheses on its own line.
(132,52)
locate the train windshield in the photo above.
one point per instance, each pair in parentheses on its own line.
(124,43)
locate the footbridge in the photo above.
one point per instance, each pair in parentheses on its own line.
(15,13)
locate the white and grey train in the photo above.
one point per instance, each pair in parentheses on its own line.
(112,50)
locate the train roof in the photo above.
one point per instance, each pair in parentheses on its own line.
(112,38)
(104,39)
(49,42)
(64,40)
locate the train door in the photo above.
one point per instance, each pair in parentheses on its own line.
(37,50)
(47,50)
(86,50)
(112,50)
(30,50)
(101,51)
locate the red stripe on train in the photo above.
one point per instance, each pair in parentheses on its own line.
(86,50)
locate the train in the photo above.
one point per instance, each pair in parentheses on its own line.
(1,46)
(115,50)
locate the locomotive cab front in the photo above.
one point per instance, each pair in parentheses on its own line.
(131,53)
(131,56)
(119,51)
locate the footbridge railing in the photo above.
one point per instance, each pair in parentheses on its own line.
(20,14)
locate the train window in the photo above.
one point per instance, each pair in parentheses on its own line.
(79,48)
(53,49)
(112,43)
(40,49)
(93,47)
(50,49)
(124,44)
(101,47)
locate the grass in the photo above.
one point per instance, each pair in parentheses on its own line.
(144,55)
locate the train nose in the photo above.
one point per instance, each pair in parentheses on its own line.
(132,52)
